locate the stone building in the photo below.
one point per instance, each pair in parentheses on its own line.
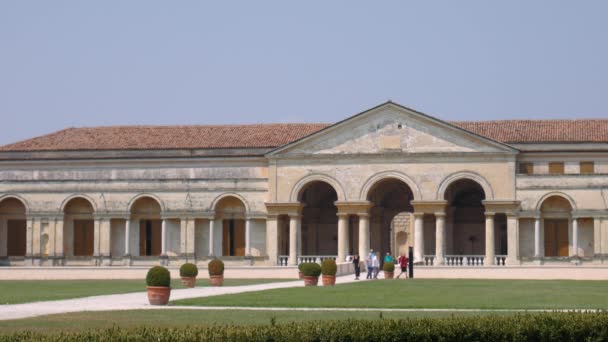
(461,193)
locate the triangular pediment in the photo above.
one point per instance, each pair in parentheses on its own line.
(391,128)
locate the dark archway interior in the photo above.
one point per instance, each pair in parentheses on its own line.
(319,219)
(390,216)
(12,212)
(467,219)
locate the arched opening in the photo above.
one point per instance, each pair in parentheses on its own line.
(465,228)
(231,212)
(556,215)
(391,216)
(79,227)
(13,230)
(146,214)
(319,219)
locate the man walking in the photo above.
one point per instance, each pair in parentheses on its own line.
(368,263)
(403,264)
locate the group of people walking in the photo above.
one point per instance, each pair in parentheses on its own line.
(373,264)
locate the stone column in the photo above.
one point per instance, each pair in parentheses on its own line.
(597,236)
(418,237)
(183,237)
(439,238)
(29,241)
(3,237)
(574,236)
(512,240)
(294,236)
(105,241)
(163,235)
(490,249)
(96,237)
(247,237)
(37,226)
(537,237)
(211,223)
(272,238)
(342,237)
(128,237)
(363,235)
(191,238)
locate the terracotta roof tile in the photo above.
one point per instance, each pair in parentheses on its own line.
(167,137)
(540,131)
(274,135)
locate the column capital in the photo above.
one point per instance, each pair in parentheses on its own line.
(501,206)
(418,215)
(363,215)
(440,214)
(284,208)
(489,214)
(342,215)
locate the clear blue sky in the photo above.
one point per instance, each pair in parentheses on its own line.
(91,63)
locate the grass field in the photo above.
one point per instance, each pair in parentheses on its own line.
(428,293)
(184,318)
(25,291)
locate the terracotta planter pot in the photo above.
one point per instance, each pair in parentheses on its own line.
(216,280)
(189,281)
(158,295)
(301,275)
(328,280)
(311,281)
(389,275)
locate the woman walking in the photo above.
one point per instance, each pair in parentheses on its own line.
(357,263)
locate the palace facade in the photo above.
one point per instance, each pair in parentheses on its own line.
(490,193)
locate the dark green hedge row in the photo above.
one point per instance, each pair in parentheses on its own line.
(536,327)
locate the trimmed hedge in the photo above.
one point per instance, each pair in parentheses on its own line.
(388,267)
(311,269)
(188,270)
(329,267)
(216,267)
(158,276)
(521,327)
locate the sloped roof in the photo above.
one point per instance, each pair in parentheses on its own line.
(275,135)
(540,131)
(166,137)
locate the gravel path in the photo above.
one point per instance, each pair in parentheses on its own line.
(134,301)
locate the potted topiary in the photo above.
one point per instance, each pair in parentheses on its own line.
(389,270)
(158,280)
(311,271)
(300,273)
(216,272)
(188,273)
(329,269)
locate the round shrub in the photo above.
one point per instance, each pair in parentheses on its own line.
(158,276)
(329,267)
(311,269)
(188,270)
(300,267)
(388,267)
(216,267)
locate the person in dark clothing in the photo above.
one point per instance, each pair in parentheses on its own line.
(357,263)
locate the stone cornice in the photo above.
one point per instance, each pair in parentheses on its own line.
(501,206)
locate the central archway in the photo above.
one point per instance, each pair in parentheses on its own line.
(466,218)
(231,212)
(146,213)
(319,219)
(390,216)
(79,227)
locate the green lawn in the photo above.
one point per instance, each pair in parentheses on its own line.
(428,293)
(183,318)
(25,291)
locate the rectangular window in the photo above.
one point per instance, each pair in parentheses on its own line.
(556,168)
(587,167)
(526,168)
